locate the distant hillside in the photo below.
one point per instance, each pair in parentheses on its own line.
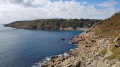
(54,24)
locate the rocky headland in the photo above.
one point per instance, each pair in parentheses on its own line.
(54,24)
(87,53)
(97,47)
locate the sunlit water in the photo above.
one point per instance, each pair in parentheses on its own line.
(24,48)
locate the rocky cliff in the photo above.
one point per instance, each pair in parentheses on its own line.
(86,54)
(54,24)
(96,47)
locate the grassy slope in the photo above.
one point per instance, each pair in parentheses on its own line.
(110,28)
(112,23)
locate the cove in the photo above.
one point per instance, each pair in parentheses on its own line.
(24,48)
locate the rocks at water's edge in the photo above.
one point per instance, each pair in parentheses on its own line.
(86,54)
(63,39)
(98,47)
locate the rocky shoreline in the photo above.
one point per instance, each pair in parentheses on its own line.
(85,55)
(97,47)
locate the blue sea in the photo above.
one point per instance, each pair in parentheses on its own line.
(25,48)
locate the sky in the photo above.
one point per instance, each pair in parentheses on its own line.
(16,10)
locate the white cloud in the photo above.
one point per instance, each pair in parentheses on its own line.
(13,10)
(110,3)
(84,2)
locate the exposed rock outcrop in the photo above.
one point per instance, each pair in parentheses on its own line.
(86,54)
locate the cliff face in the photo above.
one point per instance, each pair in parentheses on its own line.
(54,24)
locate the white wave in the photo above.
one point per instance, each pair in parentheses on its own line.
(72,49)
(70,42)
(39,64)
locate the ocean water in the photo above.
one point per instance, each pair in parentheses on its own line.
(25,48)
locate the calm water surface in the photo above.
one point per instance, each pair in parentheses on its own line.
(24,48)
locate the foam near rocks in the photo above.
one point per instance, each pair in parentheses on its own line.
(86,53)
(39,64)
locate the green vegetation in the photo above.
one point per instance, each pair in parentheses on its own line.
(112,23)
(103,52)
(116,53)
(54,24)
(115,50)
(109,27)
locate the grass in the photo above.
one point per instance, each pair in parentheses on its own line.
(109,27)
(116,53)
(115,50)
(112,23)
(103,52)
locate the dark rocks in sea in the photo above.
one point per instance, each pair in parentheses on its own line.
(63,38)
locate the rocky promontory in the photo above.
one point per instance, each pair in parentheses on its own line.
(85,55)
(96,47)
(54,24)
